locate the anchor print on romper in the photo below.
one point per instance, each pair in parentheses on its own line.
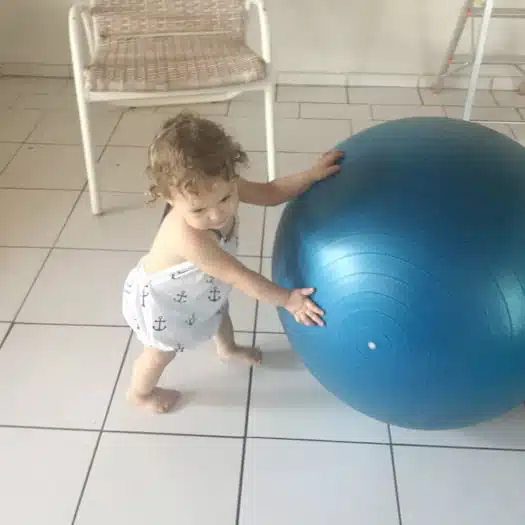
(128,287)
(160,324)
(181,297)
(191,320)
(174,275)
(144,294)
(214,295)
(209,279)
(179,347)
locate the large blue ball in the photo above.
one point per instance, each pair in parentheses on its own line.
(416,249)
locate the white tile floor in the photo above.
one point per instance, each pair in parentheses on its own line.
(268,446)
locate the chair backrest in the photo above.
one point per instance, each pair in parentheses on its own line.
(117,18)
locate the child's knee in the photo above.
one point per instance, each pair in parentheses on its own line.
(155,358)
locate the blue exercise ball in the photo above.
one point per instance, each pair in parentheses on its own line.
(416,249)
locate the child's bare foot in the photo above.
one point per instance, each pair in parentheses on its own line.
(251,355)
(160,400)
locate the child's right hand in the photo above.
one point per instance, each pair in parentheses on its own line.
(303,308)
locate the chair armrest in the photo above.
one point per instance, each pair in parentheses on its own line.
(264,26)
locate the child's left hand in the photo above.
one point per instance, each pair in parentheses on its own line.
(326,166)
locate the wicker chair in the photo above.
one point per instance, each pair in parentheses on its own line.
(160,52)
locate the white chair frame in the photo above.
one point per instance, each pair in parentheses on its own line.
(81,24)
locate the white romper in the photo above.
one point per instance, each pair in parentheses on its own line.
(177,308)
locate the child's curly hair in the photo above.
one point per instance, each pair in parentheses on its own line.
(189,150)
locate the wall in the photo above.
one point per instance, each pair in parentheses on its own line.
(378,36)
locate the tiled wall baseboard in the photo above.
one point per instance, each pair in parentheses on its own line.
(499,82)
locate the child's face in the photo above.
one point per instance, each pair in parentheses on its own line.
(213,207)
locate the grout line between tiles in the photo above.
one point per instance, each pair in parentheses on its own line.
(101,430)
(250,383)
(21,188)
(420,95)
(171,434)
(15,153)
(43,427)
(7,332)
(46,258)
(394,474)
(35,279)
(244,444)
(268,438)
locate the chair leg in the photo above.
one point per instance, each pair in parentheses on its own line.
(89,157)
(270,132)
(85,129)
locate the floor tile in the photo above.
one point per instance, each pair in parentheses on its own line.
(33,85)
(456,97)
(63,126)
(42,166)
(273,216)
(249,131)
(4,327)
(18,269)
(128,223)
(509,99)
(484,113)
(8,98)
(518,131)
(290,163)
(295,135)
(332,94)
(139,479)
(7,152)
(309,483)
(214,395)
(310,136)
(243,307)
(123,168)
(507,431)
(138,128)
(287,163)
(80,287)
(215,108)
(399,112)
(362,125)
(267,318)
(383,95)
(17,124)
(35,391)
(460,487)
(251,96)
(38,215)
(504,129)
(60,99)
(288,402)
(335,111)
(240,108)
(251,222)
(41,474)
(257,167)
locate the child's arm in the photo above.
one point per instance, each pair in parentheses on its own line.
(286,188)
(201,249)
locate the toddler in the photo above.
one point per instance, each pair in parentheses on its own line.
(177,296)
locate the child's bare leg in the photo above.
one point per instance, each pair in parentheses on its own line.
(147,370)
(226,347)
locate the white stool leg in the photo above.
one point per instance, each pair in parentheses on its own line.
(85,128)
(270,130)
(89,157)
(480,50)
